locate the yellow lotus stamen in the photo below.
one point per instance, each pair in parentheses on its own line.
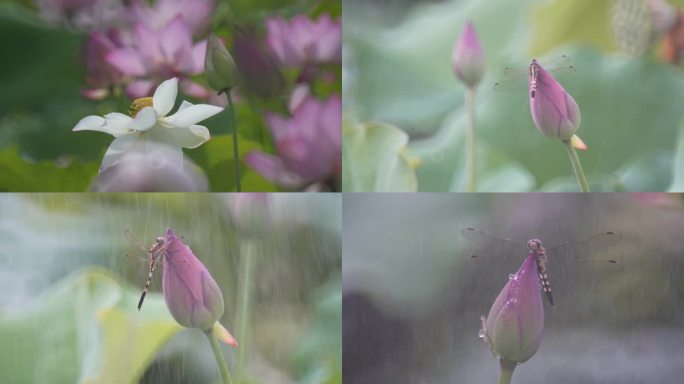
(139,104)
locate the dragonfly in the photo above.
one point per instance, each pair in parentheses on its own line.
(516,78)
(579,251)
(154,252)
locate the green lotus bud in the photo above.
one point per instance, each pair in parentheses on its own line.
(219,66)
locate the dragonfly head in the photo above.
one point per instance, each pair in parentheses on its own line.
(534,245)
(160,240)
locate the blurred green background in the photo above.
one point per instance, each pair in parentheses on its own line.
(71,281)
(413,296)
(42,73)
(397,71)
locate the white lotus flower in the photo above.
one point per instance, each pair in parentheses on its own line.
(150,123)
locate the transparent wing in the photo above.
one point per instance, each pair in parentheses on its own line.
(589,250)
(134,240)
(493,246)
(516,78)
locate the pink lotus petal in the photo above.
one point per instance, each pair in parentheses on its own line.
(300,93)
(198,52)
(139,88)
(331,125)
(305,158)
(148,43)
(128,61)
(280,126)
(176,44)
(273,169)
(95,94)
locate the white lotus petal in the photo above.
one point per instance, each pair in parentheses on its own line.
(190,137)
(164,136)
(90,123)
(144,120)
(184,105)
(192,115)
(115,150)
(117,123)
(165,96)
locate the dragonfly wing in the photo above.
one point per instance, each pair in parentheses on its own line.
(589,250)
(489,245)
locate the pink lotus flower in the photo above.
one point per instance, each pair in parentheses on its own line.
(515,325)
(159,55)
(250,214)
(467,58)
(554,111)
(191,294)
(100,75)
(309,145)
(303,40)
(197,13)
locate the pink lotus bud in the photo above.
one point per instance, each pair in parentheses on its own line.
(554,111)
(515,326)
(191,294)
(467,58)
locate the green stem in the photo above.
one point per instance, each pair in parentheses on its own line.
(470,140)
(577,166)
(247,250)
(507,368)
(218,353)
(236,152)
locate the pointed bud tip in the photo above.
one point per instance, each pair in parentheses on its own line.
(224,335)
(219,66)
(467,58)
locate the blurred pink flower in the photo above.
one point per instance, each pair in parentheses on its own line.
(467,58)
(159,55)
(100,75)
(191,293)
(309,145)
(302,40)
(515,326)
(259,71)
(554,111)
(197,13)
(250,213)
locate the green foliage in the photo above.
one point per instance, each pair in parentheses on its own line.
(374,159)
(319,357)
(678,181)
(629,117)
(102,338)
(579,21)
(215,157)
(20,175)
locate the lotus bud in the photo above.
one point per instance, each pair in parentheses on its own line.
(191,294)
(467,58)
(554,111)
(515,325)
(219,66)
